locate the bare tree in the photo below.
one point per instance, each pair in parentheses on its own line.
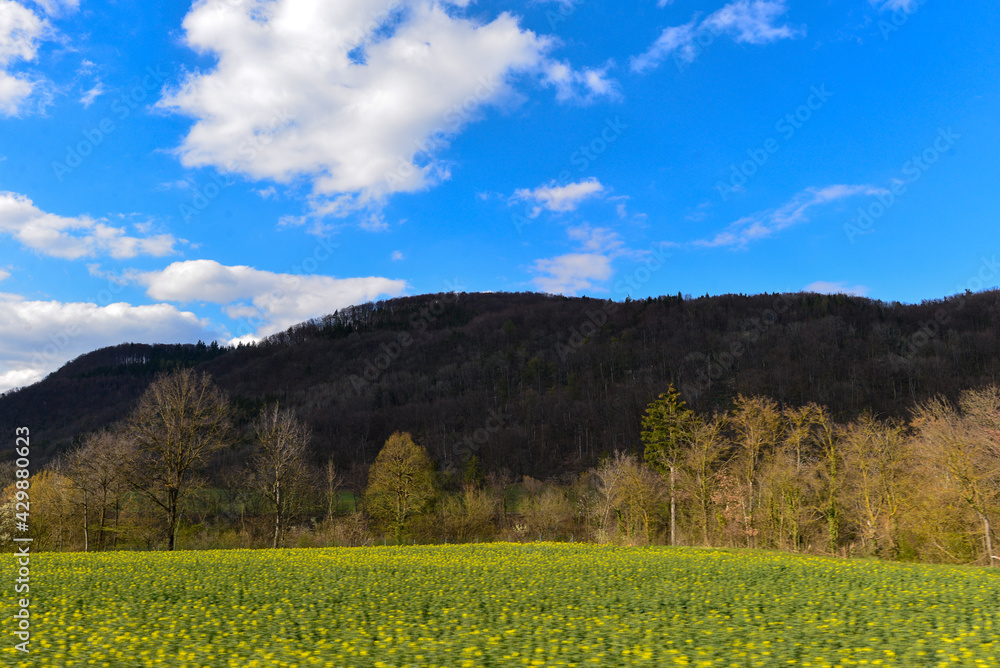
(628,492)
(700,465)
(758,424)
(875,464)
(830,437)
(964,444)
(280,464)
(181,419)
(96,471)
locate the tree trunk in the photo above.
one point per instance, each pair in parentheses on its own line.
(86,524)
(114,541)
(277,515)
(171,519)
(104,514)
(987,534)
(673,509)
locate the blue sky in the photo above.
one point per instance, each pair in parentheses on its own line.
(223,169)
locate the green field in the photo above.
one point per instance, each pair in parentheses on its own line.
(499,605)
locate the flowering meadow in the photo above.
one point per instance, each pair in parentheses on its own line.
(540,604)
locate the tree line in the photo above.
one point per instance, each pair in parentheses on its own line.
(569,378)
(180,471)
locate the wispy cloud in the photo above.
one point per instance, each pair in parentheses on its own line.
(894,5)
(768,223)
(841,288)
(581,86)
(743,21)
(88,97)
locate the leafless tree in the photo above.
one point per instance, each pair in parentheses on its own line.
(97,474)
(964,443)
(181,419)
(279,466)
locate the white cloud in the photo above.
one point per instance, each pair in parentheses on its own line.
(573,272)
(88,97)
(4,274)
(20,31)
(73,238)
(58,7)
(743,21)
(841,288)
(359,97)
(893,5)
(271,301)
(560,199)
(37,337)
(582,86)
(598,239)
(397,256)
(375,222)
(768,223)
(679,39)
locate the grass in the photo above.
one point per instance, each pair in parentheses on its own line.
(541,604)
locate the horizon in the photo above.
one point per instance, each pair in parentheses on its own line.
(225,169)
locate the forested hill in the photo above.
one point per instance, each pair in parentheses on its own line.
(542,384)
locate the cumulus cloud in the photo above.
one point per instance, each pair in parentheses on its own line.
(558,198)
(358,97)
(841,288)
(20,32)
(768,223)
(37,337)
(573,272)
(743,21)
(271,302)
(73,237)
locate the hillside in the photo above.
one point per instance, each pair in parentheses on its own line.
(543,384)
